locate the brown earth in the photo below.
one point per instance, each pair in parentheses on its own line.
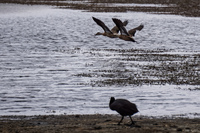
(95,124)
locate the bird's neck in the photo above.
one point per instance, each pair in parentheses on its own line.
(111,101)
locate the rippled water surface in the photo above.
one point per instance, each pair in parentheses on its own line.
(47,56)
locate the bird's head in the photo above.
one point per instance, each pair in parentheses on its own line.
(112,99)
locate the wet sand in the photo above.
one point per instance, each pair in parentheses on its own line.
(95,123)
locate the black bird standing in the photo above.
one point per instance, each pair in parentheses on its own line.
(123,107)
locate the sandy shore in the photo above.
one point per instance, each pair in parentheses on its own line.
(95,123)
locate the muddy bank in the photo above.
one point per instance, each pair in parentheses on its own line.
(95,123)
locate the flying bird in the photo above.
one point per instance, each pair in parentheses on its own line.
(113,33)
(123,107)
(127,36)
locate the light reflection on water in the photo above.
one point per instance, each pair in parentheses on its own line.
(42,51)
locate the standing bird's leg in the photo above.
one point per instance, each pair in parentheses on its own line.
(121,120)
(132,122)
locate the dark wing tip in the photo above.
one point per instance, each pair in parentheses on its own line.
(118,22)
(140,27)
(114,19)
(125,22)
(95,19)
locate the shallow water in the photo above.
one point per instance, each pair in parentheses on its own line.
(43,49)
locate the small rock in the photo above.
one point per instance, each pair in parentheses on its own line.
(77,116)
(179,129)
(97,127)
(107,120)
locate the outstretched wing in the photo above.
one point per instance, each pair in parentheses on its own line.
(100,23)
(115,29)
(133,31)
(120,26)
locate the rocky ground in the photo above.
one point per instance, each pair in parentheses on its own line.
(95,123)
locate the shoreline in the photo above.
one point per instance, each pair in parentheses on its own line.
(96,123)
(184,8)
